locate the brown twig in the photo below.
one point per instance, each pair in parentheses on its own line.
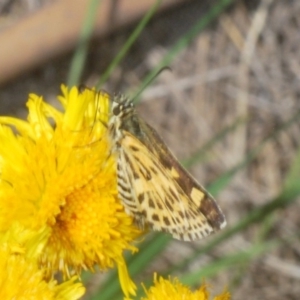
(55,29)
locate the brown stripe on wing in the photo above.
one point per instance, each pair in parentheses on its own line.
(132,168)
(204,202)
(212,212)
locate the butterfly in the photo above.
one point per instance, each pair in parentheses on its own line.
(152,185)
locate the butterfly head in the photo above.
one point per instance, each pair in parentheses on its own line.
(122,118)
(122,106)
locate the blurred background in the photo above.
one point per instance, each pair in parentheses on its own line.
(228,108)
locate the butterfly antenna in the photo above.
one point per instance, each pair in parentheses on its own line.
(82,88)
(149,81)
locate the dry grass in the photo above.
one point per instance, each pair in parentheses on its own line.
(246,64)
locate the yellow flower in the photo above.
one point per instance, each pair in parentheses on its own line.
(57,171)
(173,289)
(20,276)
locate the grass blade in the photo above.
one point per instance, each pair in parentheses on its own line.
(121,54)
(111,288)
(211,15)
(200,154)
(79,57)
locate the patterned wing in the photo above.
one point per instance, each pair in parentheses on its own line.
(153,194)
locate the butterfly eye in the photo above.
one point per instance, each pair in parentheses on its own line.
(116,110)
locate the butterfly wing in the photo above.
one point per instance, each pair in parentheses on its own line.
(190,187)
(156,190)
